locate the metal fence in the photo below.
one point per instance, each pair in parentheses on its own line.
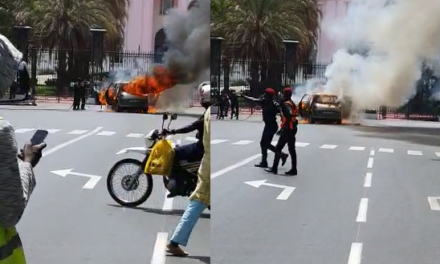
(239,73)
(44,66)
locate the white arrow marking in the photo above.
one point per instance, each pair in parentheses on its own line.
(284,195)
(94,179)
(133,149)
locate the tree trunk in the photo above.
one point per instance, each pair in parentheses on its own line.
(226,73)
(61,73)
(254,80)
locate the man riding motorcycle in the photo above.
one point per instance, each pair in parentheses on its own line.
(191,152)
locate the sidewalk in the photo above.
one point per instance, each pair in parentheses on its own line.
(401,123)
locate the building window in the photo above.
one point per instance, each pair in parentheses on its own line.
(165,6)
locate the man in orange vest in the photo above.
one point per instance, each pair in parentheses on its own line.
(287,133)
(270,110)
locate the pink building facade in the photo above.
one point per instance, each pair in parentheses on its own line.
(144,28)
(332,11)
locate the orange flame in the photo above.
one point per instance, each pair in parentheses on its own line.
(105,94)
(148,85)
(151,109)
(154,84)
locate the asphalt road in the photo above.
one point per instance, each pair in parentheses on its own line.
(362,195)
(69,221)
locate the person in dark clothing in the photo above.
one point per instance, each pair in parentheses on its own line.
(13,90)
(221,107)
(287,133)
(227,104)
(234,105)
(79,95)
(270,111)
(191,152)
(24,79)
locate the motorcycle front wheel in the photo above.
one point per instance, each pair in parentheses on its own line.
(130,183)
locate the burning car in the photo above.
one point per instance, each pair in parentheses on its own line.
(116,96)
(321,107)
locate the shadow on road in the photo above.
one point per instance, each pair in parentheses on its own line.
(201,259)
(417,135)
(176,212)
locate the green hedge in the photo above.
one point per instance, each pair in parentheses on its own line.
(44,90)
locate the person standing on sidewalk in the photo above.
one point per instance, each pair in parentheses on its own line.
(234,105)
(79,95)
(24,79)
(199,200)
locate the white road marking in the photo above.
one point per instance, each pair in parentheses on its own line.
(284,195)
(325,146)
(437,154)
(191,139)
(167,203)
(217,141)
(77,132)
(355,253)
(356,148)
(362,212)
(415,153)
(234,166)
(242,142)
(53,131)
(301,144)
(367,181)
(134,135)
(370,163)
(386,150)
(372,152)
(24,130)
(70,142)
(106,133)
(159,256)
(433,203)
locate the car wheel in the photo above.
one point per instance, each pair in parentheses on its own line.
(311,119)
(339,121)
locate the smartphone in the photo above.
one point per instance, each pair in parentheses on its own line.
(39,137)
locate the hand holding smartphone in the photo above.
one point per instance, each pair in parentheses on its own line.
(32,152)
(39,137)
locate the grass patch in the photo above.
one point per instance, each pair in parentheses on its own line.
(45,90)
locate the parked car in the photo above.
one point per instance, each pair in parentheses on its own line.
(121,100)
(321,107)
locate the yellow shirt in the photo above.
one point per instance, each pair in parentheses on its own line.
(202,192)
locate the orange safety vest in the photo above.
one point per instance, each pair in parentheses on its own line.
(294,114)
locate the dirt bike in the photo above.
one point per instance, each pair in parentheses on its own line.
(130,182)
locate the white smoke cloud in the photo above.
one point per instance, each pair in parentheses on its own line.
(399,35)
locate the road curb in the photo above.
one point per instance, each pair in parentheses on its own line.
(179,114)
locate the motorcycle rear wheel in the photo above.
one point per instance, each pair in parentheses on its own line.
(110,188)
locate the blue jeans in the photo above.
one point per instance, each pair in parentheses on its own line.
(187,222)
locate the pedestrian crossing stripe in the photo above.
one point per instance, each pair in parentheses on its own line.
(243,142)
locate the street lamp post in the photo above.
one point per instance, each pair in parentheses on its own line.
(96,49)
(22,39)
(216,51)
(290,59)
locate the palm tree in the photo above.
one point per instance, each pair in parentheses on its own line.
(64,26)
(119,9)
(254,31)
